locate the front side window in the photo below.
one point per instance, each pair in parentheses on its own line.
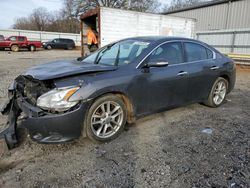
(197,52)
(12,38)
(56,40)
(169,52)
(120,53)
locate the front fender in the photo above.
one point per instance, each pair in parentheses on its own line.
(90,92)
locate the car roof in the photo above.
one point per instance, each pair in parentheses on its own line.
(64,38)
(160,38)
(155,40)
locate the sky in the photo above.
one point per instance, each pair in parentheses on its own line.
(12,9)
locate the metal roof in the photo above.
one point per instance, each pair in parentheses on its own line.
(201,5)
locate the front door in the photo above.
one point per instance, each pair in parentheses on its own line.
(163,87)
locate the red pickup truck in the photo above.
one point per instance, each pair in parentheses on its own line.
(17,42)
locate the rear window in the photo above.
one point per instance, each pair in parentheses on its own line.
(66,40)
(1,37)
(197,52)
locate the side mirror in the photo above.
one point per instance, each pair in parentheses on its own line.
(156,64)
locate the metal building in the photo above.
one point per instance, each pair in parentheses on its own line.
(220,14)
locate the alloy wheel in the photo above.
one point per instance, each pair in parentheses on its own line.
(219,92)
(107,119)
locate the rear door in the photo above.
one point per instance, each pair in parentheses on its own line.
(163,87)
(202,68)
(63,43)
(21,41)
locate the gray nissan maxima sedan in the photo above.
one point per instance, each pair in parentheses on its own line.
(120,82)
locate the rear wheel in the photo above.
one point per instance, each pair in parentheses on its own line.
(218,93)
(106,118)
(14,48)
(32,48)
(69,48)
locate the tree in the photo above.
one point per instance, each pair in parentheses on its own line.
(67,19)
(38,20)
(42,20)
(177,4)
(81,6)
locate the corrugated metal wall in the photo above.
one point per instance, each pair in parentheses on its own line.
(227,41)
(231,15)
(41,35)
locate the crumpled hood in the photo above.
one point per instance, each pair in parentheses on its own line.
(59,69)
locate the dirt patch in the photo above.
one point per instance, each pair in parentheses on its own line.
(192,146)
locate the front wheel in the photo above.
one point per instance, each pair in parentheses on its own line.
(69,48)
(218,93)
(49,47)
(106,118)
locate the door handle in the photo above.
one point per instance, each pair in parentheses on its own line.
(182,73)
(214,67)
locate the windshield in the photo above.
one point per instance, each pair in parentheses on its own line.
(120,53)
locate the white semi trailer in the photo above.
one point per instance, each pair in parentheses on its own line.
(115,24)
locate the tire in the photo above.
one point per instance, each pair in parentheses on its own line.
(218,93)
(14,48)
(96,131)
(32,48)
(48,47)
(69,48)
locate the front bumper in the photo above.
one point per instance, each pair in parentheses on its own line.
(44,127)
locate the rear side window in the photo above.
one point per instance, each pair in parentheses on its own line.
(197,52)
(209,54)
(21,39)
(169,52)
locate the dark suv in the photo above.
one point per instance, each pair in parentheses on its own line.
(59,43)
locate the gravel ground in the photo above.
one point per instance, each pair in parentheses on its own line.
(192,146)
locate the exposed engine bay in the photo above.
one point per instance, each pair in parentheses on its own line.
(31,88)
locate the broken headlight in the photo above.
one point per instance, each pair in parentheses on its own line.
(57,99)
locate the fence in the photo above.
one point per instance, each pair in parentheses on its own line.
(227,41)
(41,35)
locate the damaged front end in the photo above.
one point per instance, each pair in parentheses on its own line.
(45,110)
(24,88)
